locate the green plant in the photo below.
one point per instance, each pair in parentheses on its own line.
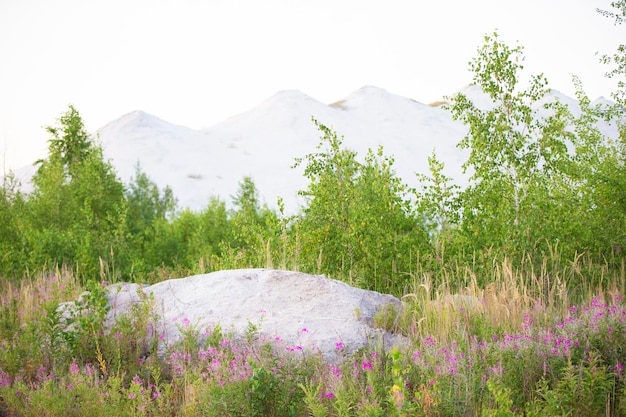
(502,398)
(358,224)
(386,318)
(312,398)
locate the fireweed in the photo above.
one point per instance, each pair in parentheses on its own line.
(548,359)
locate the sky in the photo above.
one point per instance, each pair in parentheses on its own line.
(199,62)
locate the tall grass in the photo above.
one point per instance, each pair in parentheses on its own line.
(513,340)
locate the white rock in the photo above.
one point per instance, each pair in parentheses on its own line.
(305,311)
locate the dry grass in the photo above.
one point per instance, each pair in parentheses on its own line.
(31,295)
(506,302)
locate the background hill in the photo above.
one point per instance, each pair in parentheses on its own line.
(264,141)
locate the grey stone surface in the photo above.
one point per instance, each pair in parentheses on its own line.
(305,311)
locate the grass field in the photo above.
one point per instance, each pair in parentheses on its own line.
(526,343)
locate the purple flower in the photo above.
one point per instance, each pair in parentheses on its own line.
(330,395)
(429,341)
(339,345)
(74,369)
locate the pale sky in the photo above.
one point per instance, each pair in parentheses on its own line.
(198,62)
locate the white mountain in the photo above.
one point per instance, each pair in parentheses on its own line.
(263,143)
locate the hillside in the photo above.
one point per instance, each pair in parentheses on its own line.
(264,141)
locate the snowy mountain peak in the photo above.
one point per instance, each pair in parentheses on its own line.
(264,141)
(289,98)
(135,118)
(139,125)
(374,96)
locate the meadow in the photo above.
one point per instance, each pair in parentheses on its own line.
(521,345)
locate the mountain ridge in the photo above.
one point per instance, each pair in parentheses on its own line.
(264,141)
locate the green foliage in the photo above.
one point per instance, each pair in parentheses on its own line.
(540,177)
(312,394)
(386,318)
(358,218)
(77,209)
(85,323)
(581,391)
(326,224)
(513,151)
(437,201)
(147,209)
(618,60)
(146,205)
(70,142)
(501,396)
(251,226)
(13,247)
(599,177)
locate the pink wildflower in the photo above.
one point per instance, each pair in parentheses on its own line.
(74,369)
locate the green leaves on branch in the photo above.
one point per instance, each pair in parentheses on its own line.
(358,221)
(524,158)
(77,209)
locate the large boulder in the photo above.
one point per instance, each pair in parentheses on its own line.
(297,310)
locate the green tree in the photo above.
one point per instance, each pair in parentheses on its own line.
(607,181)
(246,201)
(618,60)
(438,205)
(70,142)
(77,209)
(358,224)
(252,234)
(598,173)
(13,249)
(147,206)
(385,229)
(514,152)
(325,228)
